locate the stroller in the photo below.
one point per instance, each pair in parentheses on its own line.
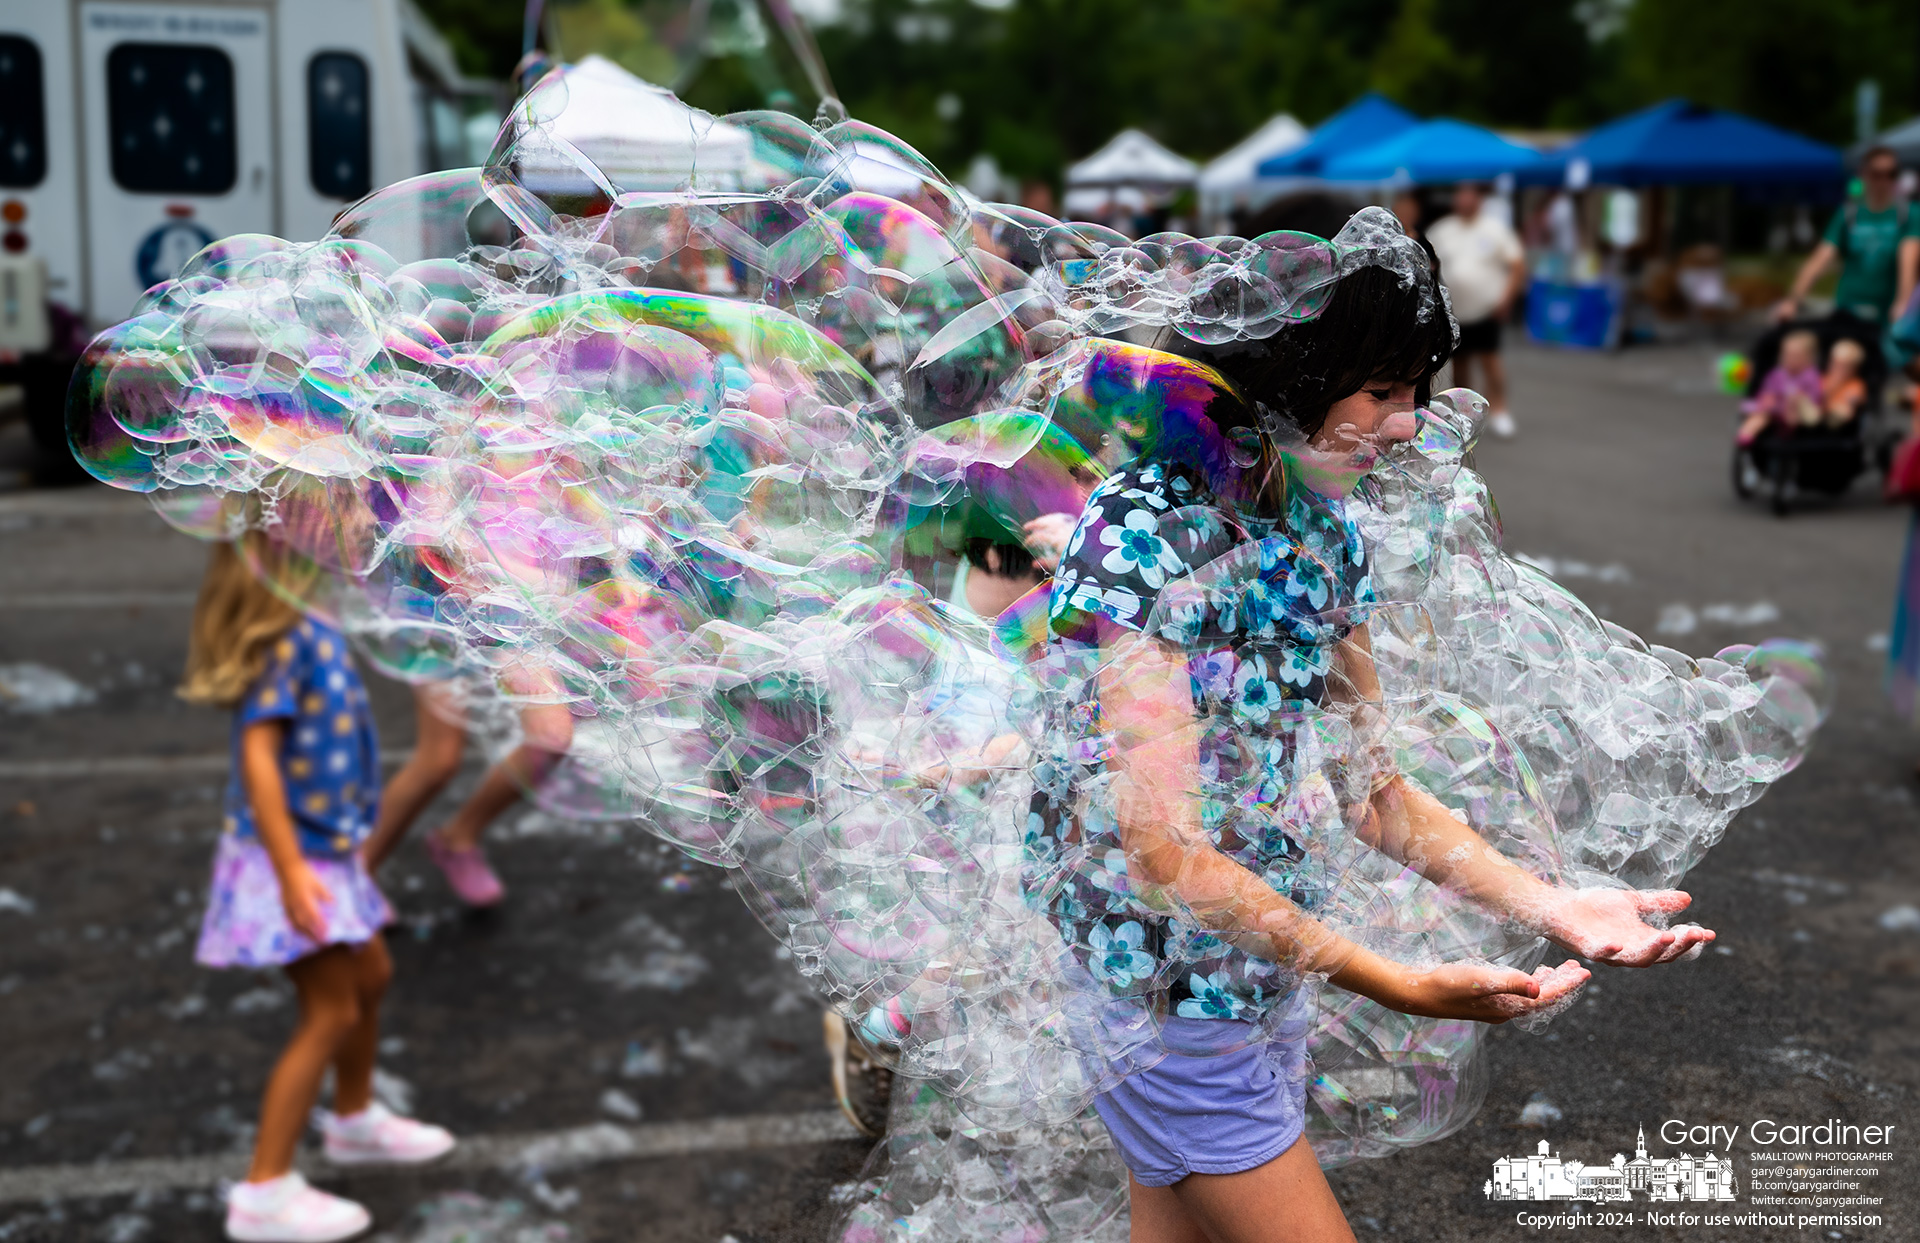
(1785,464)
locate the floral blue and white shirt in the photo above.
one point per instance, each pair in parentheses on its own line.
(1258,606)
(330,757)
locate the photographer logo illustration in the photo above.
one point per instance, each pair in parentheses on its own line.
(1546,1175)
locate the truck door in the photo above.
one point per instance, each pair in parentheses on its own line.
(179,122)
(39,150)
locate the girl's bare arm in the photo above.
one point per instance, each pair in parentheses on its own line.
(301,892)
(1409,825)
(1147,707)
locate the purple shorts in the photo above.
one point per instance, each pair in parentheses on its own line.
(1208,1114)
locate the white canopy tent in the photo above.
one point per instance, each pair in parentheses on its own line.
(1232,182)
(1131,158)
(1904,139)
(1131,172)
(640,136)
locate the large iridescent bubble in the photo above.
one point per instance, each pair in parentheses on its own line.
(542,438)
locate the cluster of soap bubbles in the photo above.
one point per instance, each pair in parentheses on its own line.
(655,449)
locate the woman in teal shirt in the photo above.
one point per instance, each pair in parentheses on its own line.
(1876,239)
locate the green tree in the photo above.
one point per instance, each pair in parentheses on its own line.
(1418,66)
(1524,65)
(1038,83)
(484,34)
(1792,62)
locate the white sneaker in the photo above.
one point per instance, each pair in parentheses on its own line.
(287,1210)
(1502,425)
(378,1136)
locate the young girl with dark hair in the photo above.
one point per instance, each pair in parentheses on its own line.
(1181,733)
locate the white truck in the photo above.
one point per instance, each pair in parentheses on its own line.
(134,132)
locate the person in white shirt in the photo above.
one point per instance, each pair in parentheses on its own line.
(1482,265)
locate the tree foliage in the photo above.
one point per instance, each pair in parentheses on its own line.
(1793,62)
(1037,83)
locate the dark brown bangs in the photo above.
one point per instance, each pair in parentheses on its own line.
(1370,328)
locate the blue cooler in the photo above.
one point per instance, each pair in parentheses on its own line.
(1583,316)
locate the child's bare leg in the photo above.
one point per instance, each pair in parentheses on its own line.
(549,732)
(1157,1216)
(353,1063)
(329,1010)
(500,789)
(435,759)
(1287,1200)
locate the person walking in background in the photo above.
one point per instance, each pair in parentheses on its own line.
(1482,265)
(1876,238)
(291,891)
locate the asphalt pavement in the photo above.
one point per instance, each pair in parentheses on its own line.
(630,1054)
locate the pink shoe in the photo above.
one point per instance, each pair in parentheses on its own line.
(287,1210)
(467,871)
(377,1136)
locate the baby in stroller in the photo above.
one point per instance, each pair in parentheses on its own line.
(1808,429)
(1796,394)
(1843,389)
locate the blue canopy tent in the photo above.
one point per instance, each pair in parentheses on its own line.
(1367,120)
(1678,143)
(1438,151)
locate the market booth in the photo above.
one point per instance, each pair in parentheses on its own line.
(1668,145)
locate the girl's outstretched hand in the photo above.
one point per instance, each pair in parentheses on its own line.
(1609,925)
(1482,994)
(303,894)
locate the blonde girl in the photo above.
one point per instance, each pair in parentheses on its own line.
(289,887)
